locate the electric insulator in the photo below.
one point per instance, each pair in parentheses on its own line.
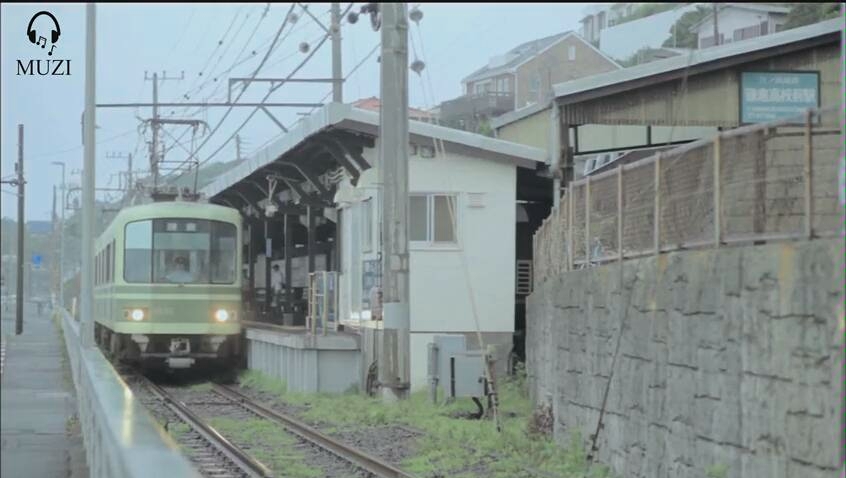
(417,66)
(415,15)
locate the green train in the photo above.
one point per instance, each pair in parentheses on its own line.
(167,285)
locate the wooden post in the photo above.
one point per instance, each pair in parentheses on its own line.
(587,220)
(809,191)
(570,194)
(657,220)
(620,212)
(718,212)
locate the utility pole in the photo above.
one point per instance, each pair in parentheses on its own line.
(337,74)
(86,310)
(237,147)
(62,239)
(53,266)
(154,162)
(129,167)
(394,367)
(19,301)
(19,182)
(716,30)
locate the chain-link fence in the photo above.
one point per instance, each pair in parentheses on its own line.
(762,182)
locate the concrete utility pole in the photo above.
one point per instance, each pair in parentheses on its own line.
(337,74)
(154,154)
(86,310)
(394,367)
(19,301)
(62,239)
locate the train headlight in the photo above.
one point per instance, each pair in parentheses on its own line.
(221,315)
(136,314)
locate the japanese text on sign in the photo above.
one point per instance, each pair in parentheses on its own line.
(777,95)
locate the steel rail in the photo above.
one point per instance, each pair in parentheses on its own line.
(357,457)
(238,456)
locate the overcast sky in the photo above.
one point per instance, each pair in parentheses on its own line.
(453,40)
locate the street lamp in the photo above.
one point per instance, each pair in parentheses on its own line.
(62,241)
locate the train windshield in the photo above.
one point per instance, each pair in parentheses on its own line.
(183,251)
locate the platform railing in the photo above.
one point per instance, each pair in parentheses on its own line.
(121,437)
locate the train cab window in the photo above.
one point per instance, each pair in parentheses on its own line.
(181,251)
(138,252)
(224,246)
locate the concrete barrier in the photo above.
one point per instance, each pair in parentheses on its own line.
(306,363)
(121,437)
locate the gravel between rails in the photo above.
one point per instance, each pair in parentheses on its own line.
(392,443)
(208,404)
(203,455)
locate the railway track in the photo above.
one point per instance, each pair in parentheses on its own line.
(367,462)
(214,455)
(217,457)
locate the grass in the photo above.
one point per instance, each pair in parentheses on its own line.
(176,430)
(201,387)
(451,447)
(264,440)
(717,471)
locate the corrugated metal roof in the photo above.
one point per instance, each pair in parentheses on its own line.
(520,53)
(696,57)
(336,115)
(515,115)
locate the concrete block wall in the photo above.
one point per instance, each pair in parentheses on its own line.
(728,357)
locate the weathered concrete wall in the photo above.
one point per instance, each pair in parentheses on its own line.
(306,363)
(728,357)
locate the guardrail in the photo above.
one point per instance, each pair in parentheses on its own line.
(121,437)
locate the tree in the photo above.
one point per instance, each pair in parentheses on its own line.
(647,10)
(807,13)
(485,128)
(684,38)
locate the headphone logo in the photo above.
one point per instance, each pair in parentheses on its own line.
(40,40)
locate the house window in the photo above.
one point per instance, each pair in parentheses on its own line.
(432,218)
(571,53)
(534,86)
(367,225)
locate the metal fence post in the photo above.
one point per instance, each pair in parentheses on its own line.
(571,206)
(620,212)
(587,220)
(718,212)
(809,191)
(656,223)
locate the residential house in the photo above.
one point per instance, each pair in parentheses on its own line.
(521,77)
(373,104)
(601,16)
(622,40)
(740,21)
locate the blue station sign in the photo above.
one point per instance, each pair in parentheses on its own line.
(770,96)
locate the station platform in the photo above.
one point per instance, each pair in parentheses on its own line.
(41,436)
(307,363)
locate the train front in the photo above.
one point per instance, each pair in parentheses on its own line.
(186,301)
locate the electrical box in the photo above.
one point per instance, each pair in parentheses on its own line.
(445,347)
(467,375)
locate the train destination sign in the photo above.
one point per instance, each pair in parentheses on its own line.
(770,96)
